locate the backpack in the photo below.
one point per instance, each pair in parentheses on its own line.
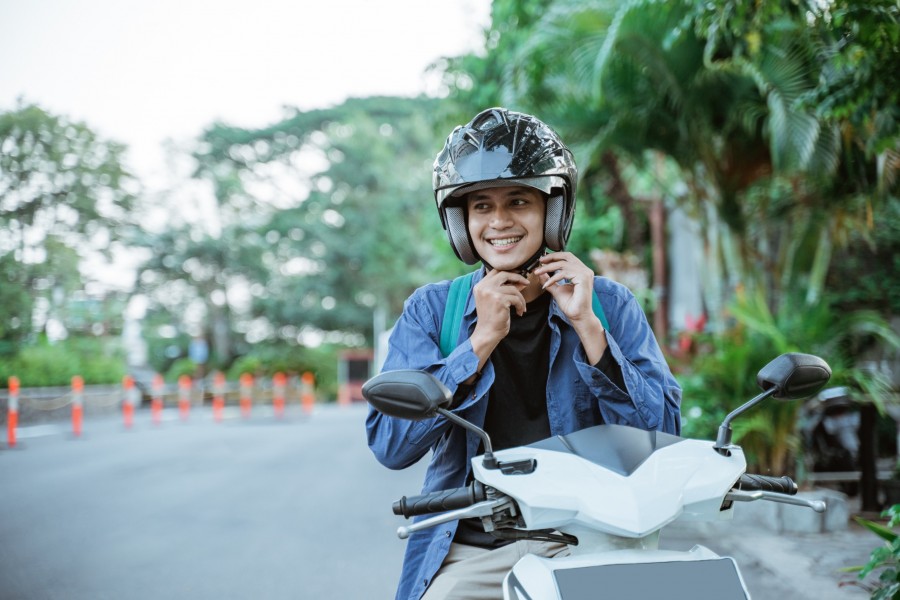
(456,306)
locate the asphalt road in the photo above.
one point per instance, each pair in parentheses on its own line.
(261,509)
(296,508)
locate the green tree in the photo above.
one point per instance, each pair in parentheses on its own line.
(475,81)
(15,304)
(324,219)
(63,193)
(834,98)
(727,91)
(201,278)
(367,234)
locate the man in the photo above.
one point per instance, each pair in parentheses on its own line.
(532,358)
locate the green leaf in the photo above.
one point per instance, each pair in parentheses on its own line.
(878,529)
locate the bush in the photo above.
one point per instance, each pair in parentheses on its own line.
(182,366)
(97,360)
(870,261)
(884,560)
(266,360)
(723,374)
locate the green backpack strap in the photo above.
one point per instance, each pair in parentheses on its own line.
(598,310)
(453,312)
(456,306)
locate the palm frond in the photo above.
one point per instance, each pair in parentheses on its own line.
(784,76)
(753,311)
(878,529)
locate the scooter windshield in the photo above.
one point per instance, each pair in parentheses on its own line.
(619,448)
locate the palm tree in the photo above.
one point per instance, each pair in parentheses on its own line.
(636,79)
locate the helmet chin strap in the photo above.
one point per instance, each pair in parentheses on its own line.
(526,267)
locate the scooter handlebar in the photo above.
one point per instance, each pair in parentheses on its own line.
(441,501)
(782,485)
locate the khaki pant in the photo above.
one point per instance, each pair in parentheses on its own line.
(472,573)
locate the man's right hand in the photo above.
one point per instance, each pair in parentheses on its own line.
(495,295)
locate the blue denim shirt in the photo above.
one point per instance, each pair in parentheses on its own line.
(578,396)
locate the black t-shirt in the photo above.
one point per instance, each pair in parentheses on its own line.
(517,402)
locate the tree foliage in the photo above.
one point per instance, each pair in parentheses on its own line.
(63,193)
(754,103)
(366,235)
(325,218)
(57,177)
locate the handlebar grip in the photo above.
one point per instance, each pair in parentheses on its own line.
(441,501)
(766,483)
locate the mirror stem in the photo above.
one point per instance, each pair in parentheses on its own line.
(489,461)
(723,440)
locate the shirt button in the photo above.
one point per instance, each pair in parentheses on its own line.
(448,534)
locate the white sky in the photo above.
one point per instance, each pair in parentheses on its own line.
(144,72)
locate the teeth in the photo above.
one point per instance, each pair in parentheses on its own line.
(506,241)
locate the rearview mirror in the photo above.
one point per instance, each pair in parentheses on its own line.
(794,376)
(407,394)
(788,377)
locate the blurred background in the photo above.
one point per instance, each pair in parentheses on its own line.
(195,187)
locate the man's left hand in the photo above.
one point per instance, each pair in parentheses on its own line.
(570,282)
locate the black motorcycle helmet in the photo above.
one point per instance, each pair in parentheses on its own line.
(499,148)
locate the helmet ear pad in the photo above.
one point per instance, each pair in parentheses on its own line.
(458,232)
(557,223)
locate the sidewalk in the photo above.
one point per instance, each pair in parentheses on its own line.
(808,565)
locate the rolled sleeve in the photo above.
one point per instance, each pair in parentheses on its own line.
(652,397)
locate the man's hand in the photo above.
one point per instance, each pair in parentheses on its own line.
(570,282)
(495,295)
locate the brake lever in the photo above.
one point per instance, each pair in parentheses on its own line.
(744,496)
(484,508)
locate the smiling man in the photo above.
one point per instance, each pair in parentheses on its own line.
(532,357)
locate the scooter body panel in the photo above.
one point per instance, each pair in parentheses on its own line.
(581,489)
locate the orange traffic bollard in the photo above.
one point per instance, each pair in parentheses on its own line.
(127,405)
(246,394)
(184,396)
(218,395)
(156,401)
(278,383)
(77,404)
(308,398)
(12,411)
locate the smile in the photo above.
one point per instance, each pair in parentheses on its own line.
(501,243)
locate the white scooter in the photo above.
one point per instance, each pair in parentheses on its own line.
(607,491)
